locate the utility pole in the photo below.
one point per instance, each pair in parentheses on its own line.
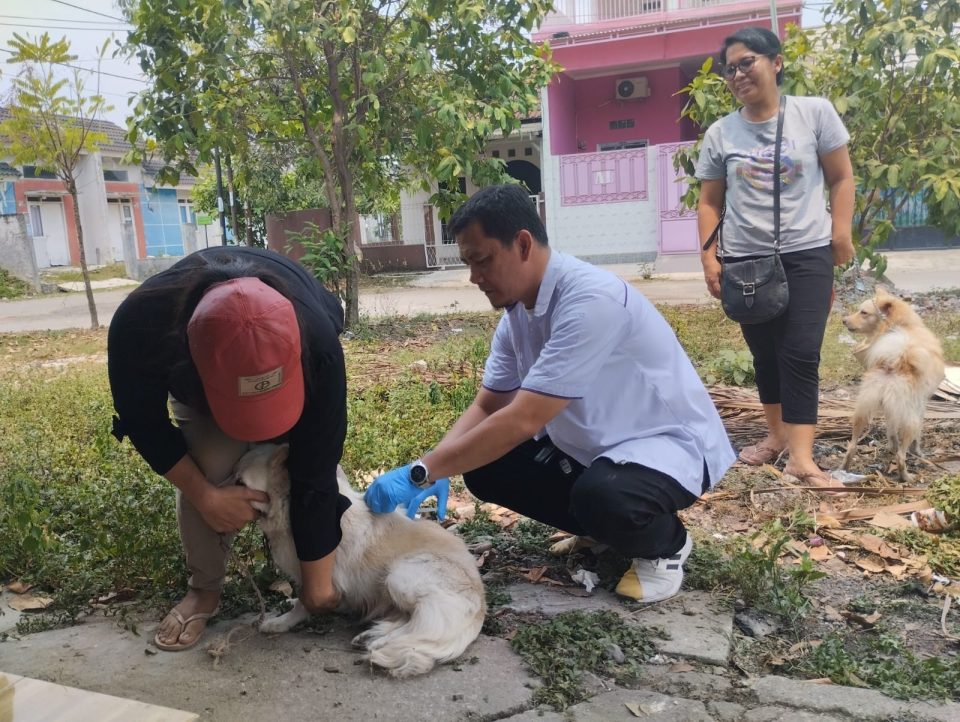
(223,219)
(774,25)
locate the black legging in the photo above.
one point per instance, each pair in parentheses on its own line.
(630,507)
(786,350)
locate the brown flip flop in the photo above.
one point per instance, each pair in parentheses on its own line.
(758,454)
(180,647)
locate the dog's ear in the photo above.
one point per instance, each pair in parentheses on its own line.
(885,303)
(280,457)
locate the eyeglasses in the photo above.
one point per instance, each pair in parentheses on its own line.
(744,65)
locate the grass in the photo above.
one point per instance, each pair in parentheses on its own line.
(11,286)
(880,659)
(99,273)
(749,567)
(562,649)
(81,515)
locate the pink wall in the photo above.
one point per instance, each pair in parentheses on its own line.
(561,105)
(655,117)
(580,111)
(656,47)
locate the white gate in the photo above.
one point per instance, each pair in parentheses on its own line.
(49,231)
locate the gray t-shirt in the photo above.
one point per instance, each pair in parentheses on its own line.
(743,153)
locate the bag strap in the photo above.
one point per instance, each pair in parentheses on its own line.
(776,176)
(716,235)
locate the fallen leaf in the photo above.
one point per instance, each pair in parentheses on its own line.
(29,603)
(867,621)
(886,520)
(898,571)
(681,667)
(820,553)
(871,564)
(832,614)
(19,587)
(534,574)
(797,547)
(634,708)
(653,707)
(878,546)
(821,680)
(826,521)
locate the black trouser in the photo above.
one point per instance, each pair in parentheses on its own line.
(630,507)
(786,350)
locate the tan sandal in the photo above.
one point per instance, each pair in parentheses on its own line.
(183,622)
(759,454)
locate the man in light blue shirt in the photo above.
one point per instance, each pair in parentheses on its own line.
(591,417)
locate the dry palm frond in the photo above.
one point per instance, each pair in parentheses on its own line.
(742,413)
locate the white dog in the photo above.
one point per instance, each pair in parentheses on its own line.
(419,581)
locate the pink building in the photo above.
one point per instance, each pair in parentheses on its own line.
(611,118)
(599,162)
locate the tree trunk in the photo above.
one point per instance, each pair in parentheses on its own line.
(91,304)
(233,201)
(248,216)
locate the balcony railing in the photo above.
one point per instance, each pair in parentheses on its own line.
(587,12)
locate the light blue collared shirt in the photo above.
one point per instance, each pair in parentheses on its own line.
(636,397)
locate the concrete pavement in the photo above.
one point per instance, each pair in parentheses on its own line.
(309,676)
(673,280)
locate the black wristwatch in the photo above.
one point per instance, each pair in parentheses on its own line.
(419,474)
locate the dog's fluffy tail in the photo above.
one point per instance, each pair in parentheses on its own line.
(898,399)
(446,608)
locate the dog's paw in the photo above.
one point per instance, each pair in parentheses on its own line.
(285,622)
(276,625)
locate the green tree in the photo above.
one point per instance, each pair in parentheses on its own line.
(377,90)
(892,70)
(51,123)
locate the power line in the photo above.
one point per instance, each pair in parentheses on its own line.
(55,20)
(88,10)
(91,70)
(58,27)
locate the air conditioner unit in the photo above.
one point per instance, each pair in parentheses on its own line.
(629,88)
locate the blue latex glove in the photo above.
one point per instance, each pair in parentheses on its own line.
(441,489)
(394,488)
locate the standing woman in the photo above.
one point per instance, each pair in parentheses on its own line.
(736,167)
(237,346)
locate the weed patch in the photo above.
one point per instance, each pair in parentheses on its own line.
(880,659)
(562,649)
(749,566)
(112,270)
(11,286)
(734,368)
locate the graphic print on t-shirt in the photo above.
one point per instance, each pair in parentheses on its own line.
(757,168)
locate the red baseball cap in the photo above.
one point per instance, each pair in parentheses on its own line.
(245,342)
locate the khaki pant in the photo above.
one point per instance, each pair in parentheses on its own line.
(216,454)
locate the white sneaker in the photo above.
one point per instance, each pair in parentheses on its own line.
(653,580)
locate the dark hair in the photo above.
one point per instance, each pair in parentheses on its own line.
(502,212)
(185,289)
(759,40)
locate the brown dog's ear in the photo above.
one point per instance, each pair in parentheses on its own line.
(280,457)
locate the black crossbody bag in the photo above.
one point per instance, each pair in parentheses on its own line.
(755,291)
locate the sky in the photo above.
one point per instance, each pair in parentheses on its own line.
(84,24)
(87,23)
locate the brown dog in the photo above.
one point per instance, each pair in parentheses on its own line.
(904,365)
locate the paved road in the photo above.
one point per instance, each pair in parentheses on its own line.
(69,310)
(450,292)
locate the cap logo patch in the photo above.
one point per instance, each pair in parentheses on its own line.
(261,383)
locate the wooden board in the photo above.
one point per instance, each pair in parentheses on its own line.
(30,700)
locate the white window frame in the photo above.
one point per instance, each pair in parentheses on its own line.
(622,145)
